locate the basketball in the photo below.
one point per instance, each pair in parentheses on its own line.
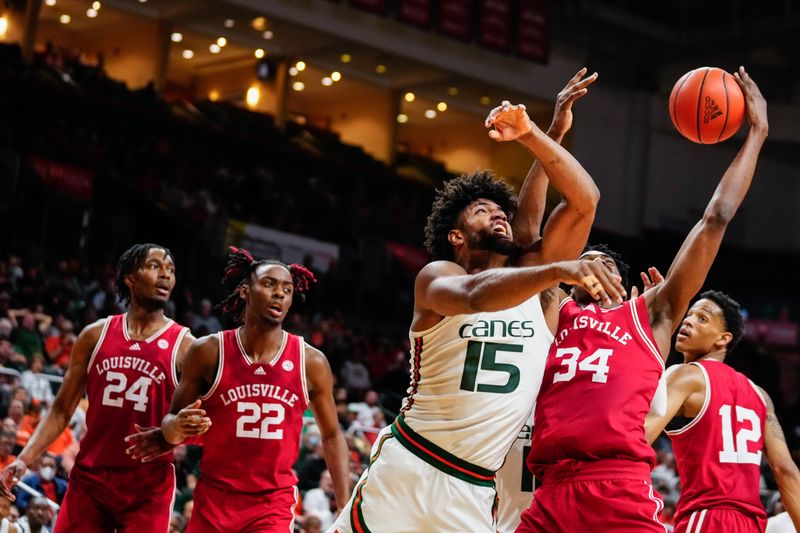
(706,105)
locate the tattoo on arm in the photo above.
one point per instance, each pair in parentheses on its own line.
(775,426)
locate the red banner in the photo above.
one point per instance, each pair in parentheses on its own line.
(533,32)
(411,257)
(455,18)
(495,25)
(773,332)
(73,181)
(376,6)
(416,12)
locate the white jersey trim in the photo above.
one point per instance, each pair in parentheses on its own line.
(758,392)
(220,366)
(659,505)
(294,505)
(564,302)
(706,401)
(700,519)
(249,360)
(303,369)
(640,329)
(97,346)
(152,337)
(174,357)
(174,491)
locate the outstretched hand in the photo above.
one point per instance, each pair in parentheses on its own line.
(509,121)
(596,279)
(755,105)
(650,279)
(10,477)
(576,88)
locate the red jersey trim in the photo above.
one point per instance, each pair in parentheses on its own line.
(174,357)
(642,332)
(702,412)
(152,337)
(220,366)
(758,392)
(97,346)
(303,368)
(249,360)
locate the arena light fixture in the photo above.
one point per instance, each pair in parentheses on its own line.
(176,37)
(3,26)
(213,95)
(214,48)
(96,5)
(50,3)
(229,23)
(485,100)
(91,13)
(409,97)
(300,66)
(259,53)
(187,54)
(292,71)
(336,75)
(346,58)
(441,106)
(452,91)
(380,69)
(259,23)
(430,113)
(268,35)
(298,86)
(65,19)
(327,81)
(402,118)
(222,41)
(253,96)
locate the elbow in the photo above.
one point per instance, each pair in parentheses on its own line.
(718,217)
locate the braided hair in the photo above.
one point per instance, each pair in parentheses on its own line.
(130,261)
(241,265)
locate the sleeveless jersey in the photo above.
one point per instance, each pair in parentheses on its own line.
(718,453)
(128,382)
(600,377)
(256,410)
(474,379)
(515,483)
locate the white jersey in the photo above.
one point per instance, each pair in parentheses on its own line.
(474,379)
(515,483)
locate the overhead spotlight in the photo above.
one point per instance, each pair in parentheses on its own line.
(327,82)
(50,3)
(300,66)
(346,58)
(402,118)
(336,75)
(142,1)
(292,71)
(64,19)
(298,86)
(91,13)
(380,69)
(441,106)
(485,100)
(259,23)
(409,97)
(259,53)
(3,26)
(213,95)
(229,23)
(222,41)
(268,35)
(96,6)
(176,37)
(430,113)
(253,96)
(214,48)
(452,91)
(187,54)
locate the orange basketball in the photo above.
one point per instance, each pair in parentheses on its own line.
(706,105)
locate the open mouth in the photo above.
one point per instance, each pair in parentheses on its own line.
(162,291)
(500,230)
(683,334)
(275,310)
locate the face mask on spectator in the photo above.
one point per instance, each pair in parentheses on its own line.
(47,473)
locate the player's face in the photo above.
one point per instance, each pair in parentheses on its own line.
(578,293)
(271,292)
(152,283)
(701,330)
(487,228)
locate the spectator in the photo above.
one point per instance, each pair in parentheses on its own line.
(38,386)
(38,516)
(312,524)
(59,347)
(205,323)
(177,524)
(27,335)
(8,440)
(188,507)
(320,502)
(10,355)
(43,480)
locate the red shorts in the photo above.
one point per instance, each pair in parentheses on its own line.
(217,509)
(126,500)
(712,520)
(602,496)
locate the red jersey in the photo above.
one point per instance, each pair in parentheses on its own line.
(718,454)
(256,410)
(128,382)
(601,373)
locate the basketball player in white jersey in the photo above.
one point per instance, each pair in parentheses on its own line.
(477,328)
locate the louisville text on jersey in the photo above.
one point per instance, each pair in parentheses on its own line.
(258,390)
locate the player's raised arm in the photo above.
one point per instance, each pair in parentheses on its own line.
(320,393)
(446,289)
(780,461)
(527,222)
(695,257)
(57,418)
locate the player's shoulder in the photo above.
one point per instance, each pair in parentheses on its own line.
(314,356)
(436,269)
(686,374)
(93,331)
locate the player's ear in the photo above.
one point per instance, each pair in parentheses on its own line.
(455,237)
(243,290)
(724,339)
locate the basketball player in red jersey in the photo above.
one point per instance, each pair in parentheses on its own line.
(127,365)
(588,443)
(255,382)
(719,423)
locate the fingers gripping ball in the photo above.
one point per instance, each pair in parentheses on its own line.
(706,105)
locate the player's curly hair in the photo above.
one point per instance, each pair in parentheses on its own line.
(731,312)
(622,266)
(238,269)
(453,197)
(131,260)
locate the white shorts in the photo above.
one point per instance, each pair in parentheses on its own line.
(400,493)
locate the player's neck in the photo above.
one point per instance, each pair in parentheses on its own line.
(478,261)
(142,322)
(717,355)
(261,340)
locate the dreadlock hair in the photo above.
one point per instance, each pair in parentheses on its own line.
(622,266)
(731,312)
(241,265)
(130,261)
(453,197)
